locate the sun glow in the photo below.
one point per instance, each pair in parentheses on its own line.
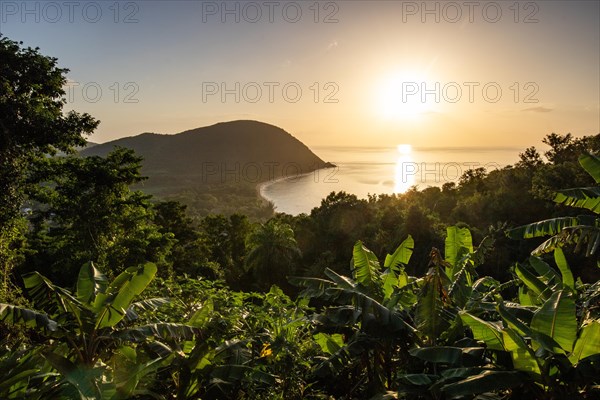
(401,96)
(404,149)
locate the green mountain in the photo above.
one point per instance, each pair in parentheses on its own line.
(215,159)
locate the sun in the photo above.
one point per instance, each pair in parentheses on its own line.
(400,95)
(404,149)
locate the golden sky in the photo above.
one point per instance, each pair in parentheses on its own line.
(356,73)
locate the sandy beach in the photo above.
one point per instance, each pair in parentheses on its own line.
(260,188)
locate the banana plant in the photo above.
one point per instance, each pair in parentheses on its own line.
(543,334)
(458,371)
(582,230)
(376,304)
(91,342)
(434,311)
(365,309)
(26,375)
(451,284)
(543,346)
(449,363)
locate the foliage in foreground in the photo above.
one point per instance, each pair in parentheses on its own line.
(380,332)
(98,343)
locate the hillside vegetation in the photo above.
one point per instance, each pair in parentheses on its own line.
(216,167)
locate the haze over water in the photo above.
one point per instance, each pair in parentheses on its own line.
(381,170)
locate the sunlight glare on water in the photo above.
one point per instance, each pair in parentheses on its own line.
(405,169)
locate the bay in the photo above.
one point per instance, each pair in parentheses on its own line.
(381,170)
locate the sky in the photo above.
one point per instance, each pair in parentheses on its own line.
(352,73)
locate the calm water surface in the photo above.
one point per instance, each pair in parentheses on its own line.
(363,171)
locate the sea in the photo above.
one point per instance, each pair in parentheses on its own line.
(365,171)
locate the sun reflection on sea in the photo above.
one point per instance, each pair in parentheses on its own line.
(405,169)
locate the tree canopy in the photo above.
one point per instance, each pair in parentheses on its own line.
(32,120)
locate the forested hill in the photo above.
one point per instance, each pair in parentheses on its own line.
(249,151)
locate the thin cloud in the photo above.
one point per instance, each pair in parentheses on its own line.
(539,109)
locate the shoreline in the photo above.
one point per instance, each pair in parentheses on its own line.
(260,187)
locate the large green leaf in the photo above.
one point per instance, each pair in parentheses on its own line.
(522,355)
(578,235)
(557,319)
(365,269)
(570,230)
(588,343)
(564,230)
(591,163)
(30,318)
(163,330)
(533,282)
(203,315)
(545,272)
(401,256)
(390,281)
(586,197)
(89,283)
(431,315)
(86,380)
(511,320)
(342,282)
(539,338)
(113,304)
(487,381)
(439,354)
(520,311)
(313,287)
(485,331)
(458,356)
(128,371)
(330,344)
(370,309)
(458,242)
(586,234)
(542,228)
(565,270)
(145,305)
(526,296)
(52,299)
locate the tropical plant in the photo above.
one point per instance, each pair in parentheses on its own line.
(582,230)
(251,345)
(448,363)
(26,374)
(272,253)
(365,311)
(87,336)
(549,334)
